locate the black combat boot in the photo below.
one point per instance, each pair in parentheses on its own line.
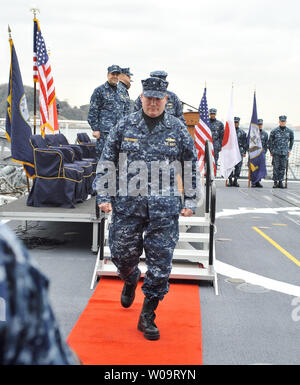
(146,321)
(235,183)
(128,292)
(229,184)
(258,184)
(275,184)
(280,184)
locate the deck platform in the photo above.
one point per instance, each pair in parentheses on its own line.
(83,212)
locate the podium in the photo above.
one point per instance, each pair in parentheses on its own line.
(191,119)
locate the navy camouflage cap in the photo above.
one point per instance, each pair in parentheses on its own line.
(126,71)
(159,74)
(154,88)
(212,110)
(113,68)
(236,119)
(260,121)
(282,118)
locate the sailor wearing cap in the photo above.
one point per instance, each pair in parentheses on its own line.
(147,220)
(173,106)
(242,142)
(281,142)
(106,107)
(217,132)
(123,86)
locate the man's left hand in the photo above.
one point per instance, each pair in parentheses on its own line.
(186,212)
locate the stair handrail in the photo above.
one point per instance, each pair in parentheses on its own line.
(101,230)
(210,204)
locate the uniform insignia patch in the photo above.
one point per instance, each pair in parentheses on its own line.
(131,139)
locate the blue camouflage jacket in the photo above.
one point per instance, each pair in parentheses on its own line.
(242,140)
(168,142)
(264,140)
(217,132)
(173,106)
(281,141)
(125,99)
(106,108)
(29,334)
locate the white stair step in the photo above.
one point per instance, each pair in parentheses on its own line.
(194,237)
(193,221)
(179,271)
(187,237)
(178,254)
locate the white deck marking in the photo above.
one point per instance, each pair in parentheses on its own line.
(255,279)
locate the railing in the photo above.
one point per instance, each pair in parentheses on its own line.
(210,204)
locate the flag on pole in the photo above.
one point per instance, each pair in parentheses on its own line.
(17,128)
(42,74)
(257,162)
(230,154)
(203,133)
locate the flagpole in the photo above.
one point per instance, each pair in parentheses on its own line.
(34,10)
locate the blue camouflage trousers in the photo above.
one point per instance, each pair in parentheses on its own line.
(100,144)
(129,235)
(279,166)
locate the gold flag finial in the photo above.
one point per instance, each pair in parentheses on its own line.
(9,32)
(34,9)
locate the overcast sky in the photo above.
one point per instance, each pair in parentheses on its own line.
(252,44)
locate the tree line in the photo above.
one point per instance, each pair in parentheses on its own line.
(65,111)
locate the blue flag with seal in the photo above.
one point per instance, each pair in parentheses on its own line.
(17,126)
(257,162)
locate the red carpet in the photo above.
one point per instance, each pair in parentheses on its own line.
(106,333)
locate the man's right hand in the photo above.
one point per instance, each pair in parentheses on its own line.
(96,134)
(106,207)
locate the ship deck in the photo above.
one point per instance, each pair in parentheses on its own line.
(257,238)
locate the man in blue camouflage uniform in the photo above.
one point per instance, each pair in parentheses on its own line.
(29,334)
(264,142)
(123,86)
(106,108)
(173,106)
(217,132)
(242,142)
(281,142)
(147,220)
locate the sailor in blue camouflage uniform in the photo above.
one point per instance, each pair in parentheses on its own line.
(281,142)
(173,106)
(29,333)
(123,86)
(106,108)
(147,220)
(264,137)
(242,142)
(217,132)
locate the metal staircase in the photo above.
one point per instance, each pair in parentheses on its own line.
(194,255)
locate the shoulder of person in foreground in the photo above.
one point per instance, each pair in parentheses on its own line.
(29,333)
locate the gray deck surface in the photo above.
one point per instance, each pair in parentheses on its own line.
(85,210)
(238,327)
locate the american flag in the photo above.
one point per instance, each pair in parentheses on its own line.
(203,133)
(42,72)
